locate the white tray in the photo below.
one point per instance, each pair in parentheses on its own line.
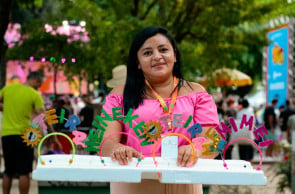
(89,168)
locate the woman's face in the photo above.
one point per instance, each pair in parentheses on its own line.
(156,57)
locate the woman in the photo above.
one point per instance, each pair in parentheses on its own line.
(156,91)
(246,150)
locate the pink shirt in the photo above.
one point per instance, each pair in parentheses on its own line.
(199,105)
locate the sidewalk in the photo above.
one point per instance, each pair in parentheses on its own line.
(14,189)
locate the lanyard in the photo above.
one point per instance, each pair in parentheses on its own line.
(167,110)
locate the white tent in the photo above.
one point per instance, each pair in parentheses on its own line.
(257,98)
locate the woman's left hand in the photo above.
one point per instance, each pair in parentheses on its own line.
(185,156)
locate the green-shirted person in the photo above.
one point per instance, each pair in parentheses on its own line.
(20,101)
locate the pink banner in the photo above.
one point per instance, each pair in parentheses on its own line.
(17,71)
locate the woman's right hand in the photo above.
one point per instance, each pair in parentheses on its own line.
(123,154)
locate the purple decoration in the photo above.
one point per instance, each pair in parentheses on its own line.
(223,130)
(247,123)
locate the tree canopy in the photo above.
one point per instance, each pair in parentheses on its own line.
(210,33)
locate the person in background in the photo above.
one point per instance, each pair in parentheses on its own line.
(99,99)
(20,101)
(290,127)
(284,116)
(229,112)
(246,150)
(77,105)
(68,104)
(60,104)
(220,110)
(270,122)
(87,113)
(259,115)
(155,89)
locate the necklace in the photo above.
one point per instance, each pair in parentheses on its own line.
(167,110)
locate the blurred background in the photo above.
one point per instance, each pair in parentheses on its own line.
(237,49)
(78,43)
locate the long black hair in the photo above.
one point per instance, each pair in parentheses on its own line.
(134,90)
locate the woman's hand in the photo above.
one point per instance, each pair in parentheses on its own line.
(185,156)
(123,154)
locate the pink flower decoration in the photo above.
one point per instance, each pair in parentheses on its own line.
(63,60)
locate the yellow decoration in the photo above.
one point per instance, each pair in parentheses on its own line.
(217,139)
(51,116)
(278,55)
(32,136)
(153,130)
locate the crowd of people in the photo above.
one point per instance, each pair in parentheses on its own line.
(278,120)
(84,107)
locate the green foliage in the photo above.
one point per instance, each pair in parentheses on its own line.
(284,170)
(211,33)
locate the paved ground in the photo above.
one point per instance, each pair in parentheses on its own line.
(268,167)
(14,190)
(270,188)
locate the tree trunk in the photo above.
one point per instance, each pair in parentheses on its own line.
(5,6)
(55,71)
(79,86)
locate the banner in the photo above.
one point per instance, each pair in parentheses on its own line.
(17,72)
(277,66)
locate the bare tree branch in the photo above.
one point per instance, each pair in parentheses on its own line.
(135,10)
(196,37)
(148,10)
(172,11)
(182,21)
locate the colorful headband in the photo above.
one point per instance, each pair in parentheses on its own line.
(56,133)
(223,156)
